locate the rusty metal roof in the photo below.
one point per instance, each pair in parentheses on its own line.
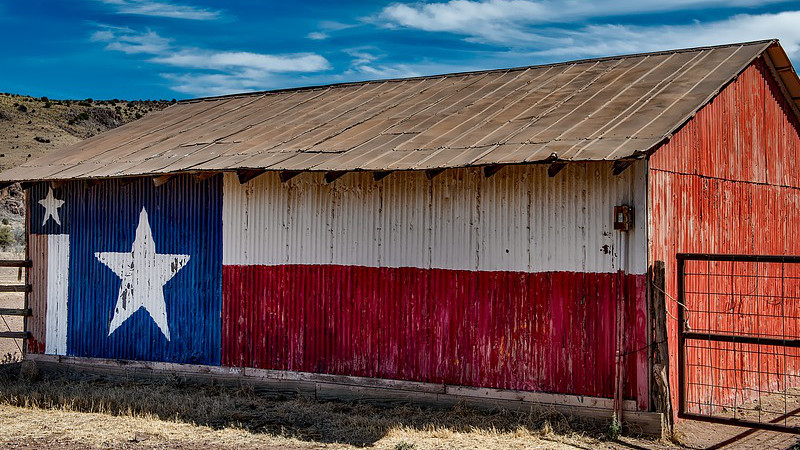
(597,109)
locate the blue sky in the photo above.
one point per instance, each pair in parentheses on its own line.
(137,49)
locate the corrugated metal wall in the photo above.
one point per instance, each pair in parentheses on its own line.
(506,282)
(518,220)
(183,217)
(728,183)
(37,300)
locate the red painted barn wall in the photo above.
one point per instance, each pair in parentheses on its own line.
(551,332)
(505,282)
(728,182)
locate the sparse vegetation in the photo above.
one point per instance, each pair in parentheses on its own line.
(213,415)
(614,428)
(6,236)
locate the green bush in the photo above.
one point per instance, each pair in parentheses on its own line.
(6,236)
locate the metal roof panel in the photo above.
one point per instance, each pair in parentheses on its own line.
(595,109)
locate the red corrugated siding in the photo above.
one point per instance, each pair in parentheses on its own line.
(37,299)
(551,331)
(728,183)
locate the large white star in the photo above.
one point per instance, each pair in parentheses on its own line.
(51,205)
(143,273)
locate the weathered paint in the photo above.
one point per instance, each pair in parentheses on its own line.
(545,331)
(508,281)
(727,182)
(57,285)
(519,220)
(110,259)
(37,299)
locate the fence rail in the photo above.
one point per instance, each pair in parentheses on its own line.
(25,311)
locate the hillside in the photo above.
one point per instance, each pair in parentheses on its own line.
(31,127)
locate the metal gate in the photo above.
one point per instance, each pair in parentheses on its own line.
(739,340)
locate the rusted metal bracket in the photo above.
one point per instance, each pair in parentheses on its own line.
(287,175)
(488,171)
(620,165)
(378,176)
(161,180)
(330,177)
(556,167)
(204,175)
(246,175)
(127,181)
(430,173)
(91,183)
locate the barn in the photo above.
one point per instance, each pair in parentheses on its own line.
(593,236)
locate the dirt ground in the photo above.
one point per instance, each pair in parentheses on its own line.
(777,408)
(706,436)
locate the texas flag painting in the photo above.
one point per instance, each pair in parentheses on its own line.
(131,270)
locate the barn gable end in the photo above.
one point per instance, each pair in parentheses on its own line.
(728,182)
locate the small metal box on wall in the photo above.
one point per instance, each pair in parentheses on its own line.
(623,218)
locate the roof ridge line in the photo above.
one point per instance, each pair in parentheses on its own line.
(472,72)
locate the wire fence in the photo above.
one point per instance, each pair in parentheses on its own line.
(739,339)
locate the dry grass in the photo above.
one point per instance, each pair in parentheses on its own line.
(58,123)
(101,413)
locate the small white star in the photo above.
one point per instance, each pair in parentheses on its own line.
(143,273)
(51,205)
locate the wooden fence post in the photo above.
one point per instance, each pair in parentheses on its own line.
(659,352)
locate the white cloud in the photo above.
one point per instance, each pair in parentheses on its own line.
(361,56)
(366,63)
(210,84)
(511,22)
(161,9)
(209,72)
(317,36)
(383,71)
(126,40)
(616,39)
(205,59)
(332,25)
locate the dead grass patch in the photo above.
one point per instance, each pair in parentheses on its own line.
(238,417)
